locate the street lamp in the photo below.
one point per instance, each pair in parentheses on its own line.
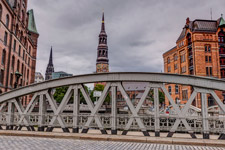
(18,75)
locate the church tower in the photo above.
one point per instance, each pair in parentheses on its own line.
(102,62)
(50,67)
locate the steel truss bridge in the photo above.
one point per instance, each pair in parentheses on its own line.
(14,116)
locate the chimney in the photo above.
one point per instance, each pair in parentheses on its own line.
(187,21)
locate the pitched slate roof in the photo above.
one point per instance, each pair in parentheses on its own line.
(31,22)
(204,25)
(182,35)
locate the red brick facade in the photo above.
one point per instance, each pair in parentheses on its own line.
(18,44)
(198,51)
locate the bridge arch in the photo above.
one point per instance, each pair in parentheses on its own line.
(41,93)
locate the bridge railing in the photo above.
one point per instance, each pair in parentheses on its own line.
(15,116)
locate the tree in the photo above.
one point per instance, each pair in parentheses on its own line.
(99,87)
(161,96)
(61,91)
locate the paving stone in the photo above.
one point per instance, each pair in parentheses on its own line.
(36,143)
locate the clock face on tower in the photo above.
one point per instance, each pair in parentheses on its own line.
(102,68)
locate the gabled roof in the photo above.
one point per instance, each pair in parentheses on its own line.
(182,35)
(31,22)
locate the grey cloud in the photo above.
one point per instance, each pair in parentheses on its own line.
(139,31)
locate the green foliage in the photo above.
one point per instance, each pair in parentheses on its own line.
(161,96)
(61,91)
(99,87)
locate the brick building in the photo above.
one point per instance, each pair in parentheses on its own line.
(18,44)
(200,51)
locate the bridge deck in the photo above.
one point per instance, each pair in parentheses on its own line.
(177,139)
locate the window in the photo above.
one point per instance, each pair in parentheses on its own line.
(2,76)
(209,71)
(7,21)
(176,89)
(222,71)
(175,66)
(175,57)
(5,38)
(221,37)
(13,62)
(183,69)
(207,48)
(28,75)
(3,57)
(14,46)
(29,49)
(169,69)
(185,94)
(222,50)
(206,58)
(169,89)
(18,66)
(0,12)
(11,80)
(183,58)
(29,61)
(19,51)
(168,60)
(23,54)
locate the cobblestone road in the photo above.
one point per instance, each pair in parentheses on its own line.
(33,143)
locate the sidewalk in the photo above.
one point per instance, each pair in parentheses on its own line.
(178,139)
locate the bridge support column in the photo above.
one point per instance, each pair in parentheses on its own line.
(76,110)
(156,106)
(42,111)
(10,115)
(114,110)
(205,121)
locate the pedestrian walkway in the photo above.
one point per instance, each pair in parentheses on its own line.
(35,143)
(178,139)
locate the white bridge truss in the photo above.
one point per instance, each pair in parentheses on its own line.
(14,116)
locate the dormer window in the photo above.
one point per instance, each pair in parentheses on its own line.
(221,37)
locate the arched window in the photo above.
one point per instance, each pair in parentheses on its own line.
(7,21)
(0,12)
(221,37)
(168,60)
(5,38)
(169,89)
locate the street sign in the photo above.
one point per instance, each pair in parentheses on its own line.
(97,93)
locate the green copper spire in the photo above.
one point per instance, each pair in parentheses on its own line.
(31,22)
(222,22)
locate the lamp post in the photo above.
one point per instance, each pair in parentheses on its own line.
(18,75)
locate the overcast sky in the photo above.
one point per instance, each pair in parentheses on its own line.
(139,31)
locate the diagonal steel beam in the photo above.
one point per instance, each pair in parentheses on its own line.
(134,110)
(179,113)
(59,118)
(95,109)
